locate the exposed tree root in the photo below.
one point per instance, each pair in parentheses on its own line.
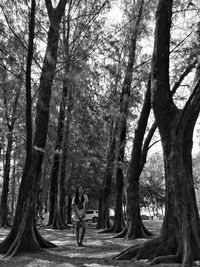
(166,259)
(143,233)
(148,250)
(126,254)
(106,231)
(115,228)
(25,239)
(103,224)
(43,242)
(58,225)
(158,251)
(122,233)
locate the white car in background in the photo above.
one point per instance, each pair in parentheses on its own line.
(91,215)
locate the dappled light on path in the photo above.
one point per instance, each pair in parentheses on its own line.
(98,250)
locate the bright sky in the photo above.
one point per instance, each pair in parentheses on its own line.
(115,15)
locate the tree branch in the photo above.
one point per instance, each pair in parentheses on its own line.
(150,134)
(6,106)
(61,5)
(24,45)
(49,8)
(183,75)
(192,102)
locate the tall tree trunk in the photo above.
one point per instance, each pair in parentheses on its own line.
(6,178)
(24,235)
(55,219)
(6,175)
(180,234)
(103,218)
(69,209)
(118,225)
(64,155)
(53,212)
(135,227)
(13,187)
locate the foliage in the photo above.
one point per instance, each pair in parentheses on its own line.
(98,53)
(152,185)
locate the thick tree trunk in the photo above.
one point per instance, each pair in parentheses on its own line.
(57,188)
(136,228)
(180,234)
(24,235)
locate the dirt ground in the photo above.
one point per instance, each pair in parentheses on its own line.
(98,250)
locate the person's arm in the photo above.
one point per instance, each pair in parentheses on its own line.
(75,209)
(86,205)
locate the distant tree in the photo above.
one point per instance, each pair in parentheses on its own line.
(119,141)
(10,121)
(76,33)
(152,184)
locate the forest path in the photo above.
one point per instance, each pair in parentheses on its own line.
(97,252)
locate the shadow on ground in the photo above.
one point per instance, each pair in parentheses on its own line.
(98,250)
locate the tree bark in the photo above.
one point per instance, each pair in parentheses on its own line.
(6,179)
(118,224)
(180,234)
(56,214)
(69,209)
(136,228)
(13,187)
(64,155)
(6,174)
(24,235)
(103,218)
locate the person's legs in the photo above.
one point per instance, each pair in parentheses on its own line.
(82,232)
(77,232)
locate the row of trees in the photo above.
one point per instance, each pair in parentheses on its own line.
(82,80)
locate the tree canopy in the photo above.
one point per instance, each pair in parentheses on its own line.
(87,90)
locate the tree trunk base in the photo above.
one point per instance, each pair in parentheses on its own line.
(114,229)
(24,240)
(143,233)
(159,251)
(122,234)
(104,225)
(149,250)
(107,231)
(57,225)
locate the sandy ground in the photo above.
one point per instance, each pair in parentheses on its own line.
(97,252)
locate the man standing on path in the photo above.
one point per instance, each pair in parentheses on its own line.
(79,203)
